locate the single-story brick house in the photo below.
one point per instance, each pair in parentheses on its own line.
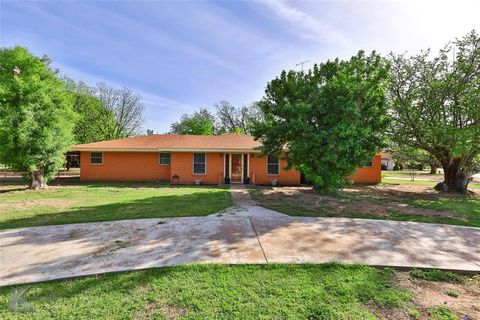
(185,159)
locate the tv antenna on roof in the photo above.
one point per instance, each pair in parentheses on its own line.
(302,63)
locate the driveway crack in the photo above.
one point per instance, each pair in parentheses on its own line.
(258,239)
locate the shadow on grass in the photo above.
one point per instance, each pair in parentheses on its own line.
(161,206)
(13,190)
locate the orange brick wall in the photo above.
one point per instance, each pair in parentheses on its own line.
(258,173)
(145,166)
(370,175)
(182,165)
(124,166)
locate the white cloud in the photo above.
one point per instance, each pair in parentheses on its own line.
(305,25)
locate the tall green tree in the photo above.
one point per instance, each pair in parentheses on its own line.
(94,121)
(36,116)
(435,106)
(201,122)
(328,121)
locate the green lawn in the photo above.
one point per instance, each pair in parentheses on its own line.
(104,202)
(407,173)
(329,291)
(421,182)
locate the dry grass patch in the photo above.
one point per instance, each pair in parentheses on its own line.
(390,202)
(462,298)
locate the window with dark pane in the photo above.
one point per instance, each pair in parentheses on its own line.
(273,165)
(199,163)
(369,163)
(96,157)
(165,158)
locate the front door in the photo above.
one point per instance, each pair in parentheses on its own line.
(236,175)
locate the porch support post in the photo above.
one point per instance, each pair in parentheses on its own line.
(243,167)
(224,161)
(230,166)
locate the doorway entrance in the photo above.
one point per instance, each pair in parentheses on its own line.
(236,167)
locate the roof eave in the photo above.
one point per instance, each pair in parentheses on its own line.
(223,150)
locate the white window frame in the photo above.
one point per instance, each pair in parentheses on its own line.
(96,164)
(193,164)
(268,163)
(160,158)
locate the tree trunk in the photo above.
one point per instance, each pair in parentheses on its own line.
(37,179)
(454,179)
(433,169)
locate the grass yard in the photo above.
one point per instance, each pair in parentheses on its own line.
(392,200)
(210,291)
(421,182)
(406,173)
(104,202)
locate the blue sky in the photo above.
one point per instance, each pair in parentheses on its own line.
(183,55)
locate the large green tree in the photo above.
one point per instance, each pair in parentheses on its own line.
(36,116)
(435,106)
(328,121)
(201,122)
(94,121)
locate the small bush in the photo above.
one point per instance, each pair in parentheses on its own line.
(451,293)
(441,313)
(414,313)
(436,275)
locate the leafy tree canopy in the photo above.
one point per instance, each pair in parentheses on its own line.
(36,116)
(435,106)
(328,121)
(226,119)
(414,157)
(201,122)
(94,121)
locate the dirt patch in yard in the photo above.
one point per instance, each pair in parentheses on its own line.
(380,201)
(461,298)
(157,307)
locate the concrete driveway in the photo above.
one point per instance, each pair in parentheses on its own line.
(244,234)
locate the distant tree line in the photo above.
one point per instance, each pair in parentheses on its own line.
(226,118)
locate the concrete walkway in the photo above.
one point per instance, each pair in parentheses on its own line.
(245,233)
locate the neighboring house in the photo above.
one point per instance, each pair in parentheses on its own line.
(184,159)
(387,160)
